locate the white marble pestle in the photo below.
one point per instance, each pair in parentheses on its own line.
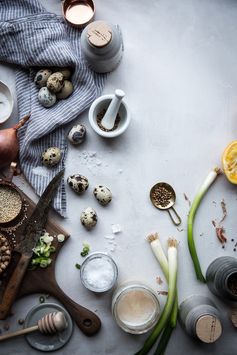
(110,115)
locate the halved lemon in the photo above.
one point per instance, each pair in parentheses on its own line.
(229,161)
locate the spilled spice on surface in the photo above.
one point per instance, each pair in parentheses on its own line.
(213,223)
(220,233)
(224,210)
(162,293)
(187,199)
(99,117)
(159,280)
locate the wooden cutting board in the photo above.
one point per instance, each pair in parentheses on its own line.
(44,281)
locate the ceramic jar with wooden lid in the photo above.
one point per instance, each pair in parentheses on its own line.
(102,46)
(200,318)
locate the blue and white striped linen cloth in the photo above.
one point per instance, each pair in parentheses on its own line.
(33,38)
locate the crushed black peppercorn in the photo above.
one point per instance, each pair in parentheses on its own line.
(99,117)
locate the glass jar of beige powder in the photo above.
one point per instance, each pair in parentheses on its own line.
(135,307)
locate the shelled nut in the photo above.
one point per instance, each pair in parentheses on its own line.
(5,253)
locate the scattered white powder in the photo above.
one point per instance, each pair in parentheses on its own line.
(5,107)
(109,237)
(116,228)
(92,161)
(98,274)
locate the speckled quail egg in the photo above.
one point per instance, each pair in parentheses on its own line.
(78,183)
(55,82)
(88,218)
(77,134)
(66,72)
(51,156)
(102,194)
(41,77)
(46,98)
(66,90)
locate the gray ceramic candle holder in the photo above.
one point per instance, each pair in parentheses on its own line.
(221,278)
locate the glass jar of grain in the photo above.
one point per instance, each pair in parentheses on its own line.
(135,307)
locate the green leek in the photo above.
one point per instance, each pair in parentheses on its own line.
(194,207)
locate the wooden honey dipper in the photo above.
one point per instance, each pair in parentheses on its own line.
(51,323)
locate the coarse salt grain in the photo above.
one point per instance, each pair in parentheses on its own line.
(99,273)
(116,228)
(109,237)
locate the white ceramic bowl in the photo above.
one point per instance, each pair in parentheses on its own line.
(102,103)
(6,102)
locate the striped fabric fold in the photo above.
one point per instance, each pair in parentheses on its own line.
(33,38)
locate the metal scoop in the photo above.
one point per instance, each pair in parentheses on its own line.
(163,197)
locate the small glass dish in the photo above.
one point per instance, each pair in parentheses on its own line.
(99,272)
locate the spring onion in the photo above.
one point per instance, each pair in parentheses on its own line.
(85,250)
(158,251)
(167,332)
(42,252)
(61,238)
(165,316)
(194,207)
(161,257)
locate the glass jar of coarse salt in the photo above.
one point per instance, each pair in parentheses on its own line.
(99,272)
(135,307)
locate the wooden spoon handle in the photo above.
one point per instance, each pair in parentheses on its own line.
(13,286)
(19,332)
(87,321)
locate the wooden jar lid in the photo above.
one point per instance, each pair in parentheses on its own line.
(208,328)
(99,34)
